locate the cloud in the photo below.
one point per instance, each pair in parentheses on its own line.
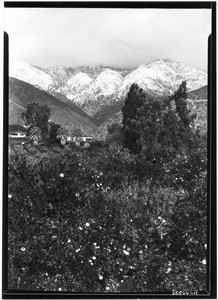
(116,37)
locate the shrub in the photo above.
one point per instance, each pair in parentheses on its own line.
(84,222)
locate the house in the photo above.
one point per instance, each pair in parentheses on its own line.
(83,142)
(88,139)
(17,135)
(69,139)
(17,131)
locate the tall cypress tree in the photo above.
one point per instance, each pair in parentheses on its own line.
(180,97)
(129,118)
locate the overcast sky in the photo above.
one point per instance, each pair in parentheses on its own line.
(110,37)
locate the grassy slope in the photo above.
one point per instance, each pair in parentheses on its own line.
(198,94)
(67,114)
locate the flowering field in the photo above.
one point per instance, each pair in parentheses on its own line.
(104,220)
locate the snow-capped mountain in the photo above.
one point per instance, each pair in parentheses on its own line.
(86,91)
(31,74)
(163,77)
(94,87)
(75,86)
(59,74)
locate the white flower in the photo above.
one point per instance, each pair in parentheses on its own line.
(62,175)
(23,249)
(204,261)
(10,196)
(87,224)
(77,250)
(205,246)
(80,228)
(77,194)
(168,270)
(69,240)
(126,252)
(94,244)
(59,289)
(93,257)
(107,288)
(46,274)
(140,251)
(101,173)
(100,277)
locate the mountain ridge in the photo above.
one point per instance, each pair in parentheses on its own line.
(100,91)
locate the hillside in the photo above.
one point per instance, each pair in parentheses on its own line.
(198,94)
(67,114)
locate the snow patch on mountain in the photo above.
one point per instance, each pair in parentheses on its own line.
(75,86)
(82,89)
(107,83)
(163,77)
(60,74)
(30,74)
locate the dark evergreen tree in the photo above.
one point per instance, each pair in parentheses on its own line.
(131,134)
(185,119)
(149,124)
(180,97)
(37,116)
(53,131)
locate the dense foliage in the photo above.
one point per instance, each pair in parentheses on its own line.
(37,116)
(108,219)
